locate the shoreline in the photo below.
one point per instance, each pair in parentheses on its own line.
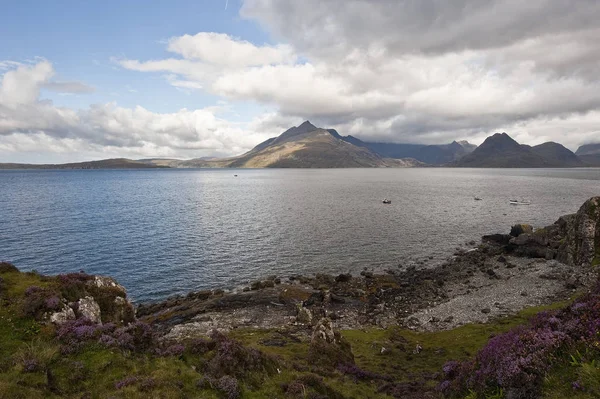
(503,275)
(375,335)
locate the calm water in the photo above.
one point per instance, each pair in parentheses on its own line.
(161,232)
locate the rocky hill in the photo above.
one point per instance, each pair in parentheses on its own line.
(557,155)
(304,146)
(501,151)
(590,154)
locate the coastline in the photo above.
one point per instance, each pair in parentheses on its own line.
(503,275)
(400,334)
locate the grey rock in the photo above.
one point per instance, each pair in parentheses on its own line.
(88,308)
(304,315)
(64,315)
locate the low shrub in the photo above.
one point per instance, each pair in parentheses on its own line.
(6,267)
(517,361)
(73,285)
(175,350)
(229,386)
(35,356)
(38,300)
(136,337)
(234,359)
(125,382)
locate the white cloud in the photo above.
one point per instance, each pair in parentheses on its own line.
(22,85)
(223,50)
(28,123)
(404,70)
(396,70)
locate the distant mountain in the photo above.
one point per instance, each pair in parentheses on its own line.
(437,154)
(304,146)
(308,146)
(501,151)
(590,154)
(557,155)
(117,163)
(588,149)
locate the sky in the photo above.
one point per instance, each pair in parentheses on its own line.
(85,80)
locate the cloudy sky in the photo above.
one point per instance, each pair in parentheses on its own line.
(91,80)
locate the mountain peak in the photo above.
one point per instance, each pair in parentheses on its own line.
(502,140)
(306,126)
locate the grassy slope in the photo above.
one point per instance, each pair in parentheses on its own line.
(95,370)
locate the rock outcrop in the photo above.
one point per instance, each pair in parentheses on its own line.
(62,316)
(88,308)
(582,245)
(328,349)
(572,239)
(98,299)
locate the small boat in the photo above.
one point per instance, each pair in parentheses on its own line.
(387,201)
(478,199)
(234,175)
(519,202)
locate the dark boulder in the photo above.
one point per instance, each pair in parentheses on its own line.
(519,229)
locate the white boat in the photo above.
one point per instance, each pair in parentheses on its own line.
(387,201)
(519,202)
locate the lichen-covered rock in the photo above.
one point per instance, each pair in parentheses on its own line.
(581,244)
(586,237)
(304,315)
(107,282)
(88,308)
(124,312)
(328,349)
(62,316)
(111,297)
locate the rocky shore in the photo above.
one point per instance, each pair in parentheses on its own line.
(502,275)
(412,333)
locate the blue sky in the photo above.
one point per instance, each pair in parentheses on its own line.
(86,80)
(82,37)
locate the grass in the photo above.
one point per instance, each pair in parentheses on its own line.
(32,365)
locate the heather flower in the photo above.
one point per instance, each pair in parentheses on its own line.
(137,336)
(201,346)
(30,365)
(52,303)
(107,340)
(229,386)
(32,290)
(444,385)
(172,350)
(517,361)
(77,331)
(126,382)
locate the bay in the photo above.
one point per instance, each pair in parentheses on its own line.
(166,232)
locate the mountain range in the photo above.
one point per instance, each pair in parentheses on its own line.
(501,151)
(307,146)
